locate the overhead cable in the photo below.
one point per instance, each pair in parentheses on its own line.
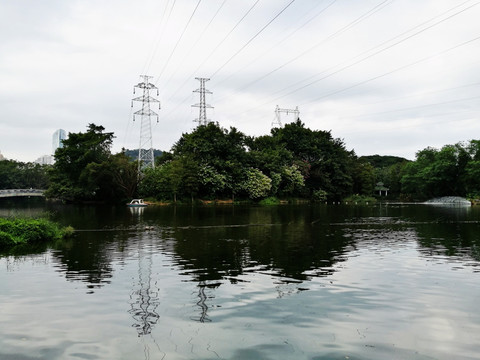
(163,25)
(189,78)
(364,16)
(368,51)
(393,71)
(187,56)
(251,39)
(280,42)
(178,41)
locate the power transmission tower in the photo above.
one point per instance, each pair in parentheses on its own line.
(145,149)
(202,117)
(277,121)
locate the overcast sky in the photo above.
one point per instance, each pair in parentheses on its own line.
(389,77)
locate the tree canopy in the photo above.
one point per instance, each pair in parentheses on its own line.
(85,169)
(19,175)
(293,161)
(211,162)
(451,170)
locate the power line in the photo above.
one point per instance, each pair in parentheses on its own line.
(187,56)
(411,108)
(393,71)
(364,16)
(178,42)
(281,41)
(174,110)
(369,50)
(384,46)
(396,98)
(252,38)
(377,52)
(214,50)
(400,126)
(163,25)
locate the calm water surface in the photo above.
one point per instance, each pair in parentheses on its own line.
(282,282)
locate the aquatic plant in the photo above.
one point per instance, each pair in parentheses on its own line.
(14,231)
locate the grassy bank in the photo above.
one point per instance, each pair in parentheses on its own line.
(17,231)
(360,200)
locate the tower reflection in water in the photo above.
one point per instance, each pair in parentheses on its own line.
(144,299)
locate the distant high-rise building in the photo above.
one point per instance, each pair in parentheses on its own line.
(2,157)
(58,137)
(45,160)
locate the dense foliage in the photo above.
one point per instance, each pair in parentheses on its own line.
(293,161)
(85,169)
(19,175)
(216,163)
(453,170)
(29,231)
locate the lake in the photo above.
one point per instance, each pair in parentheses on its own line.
(389,281)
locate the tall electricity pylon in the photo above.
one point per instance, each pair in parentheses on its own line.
(277,121)
(145,149)
(202,117)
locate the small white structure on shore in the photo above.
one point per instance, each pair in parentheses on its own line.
(381,189)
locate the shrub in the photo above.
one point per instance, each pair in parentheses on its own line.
(22,231)
(257,184)
(271,200)
(319,195)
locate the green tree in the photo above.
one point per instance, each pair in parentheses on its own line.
(156,182)
(292,180)
(256,185)
(268,154)
(416,179)
(190,176)
(76,166)
(116,178)
(471,175)
(472,179)
(221,157)
(19,175)
(448,171)
(328,163)
(172,179)
(211,180)
(363,178)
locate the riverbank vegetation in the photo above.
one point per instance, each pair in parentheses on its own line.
(453,170)
(291,162)
(210,163)
(21,231)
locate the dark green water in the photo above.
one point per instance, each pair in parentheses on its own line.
(283,282)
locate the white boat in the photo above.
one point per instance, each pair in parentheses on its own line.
(137,203)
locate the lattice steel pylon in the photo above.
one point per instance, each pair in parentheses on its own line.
(202,117)
(277,121)
(145,149)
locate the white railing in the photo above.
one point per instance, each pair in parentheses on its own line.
(21,192)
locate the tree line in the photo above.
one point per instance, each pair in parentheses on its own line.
(20,175)
(293,161)
(216,163)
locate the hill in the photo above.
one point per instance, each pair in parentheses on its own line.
(133,154)
(383,161)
